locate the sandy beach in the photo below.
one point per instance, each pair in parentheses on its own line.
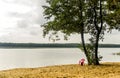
(105,70)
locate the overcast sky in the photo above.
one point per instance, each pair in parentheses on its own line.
(20,22)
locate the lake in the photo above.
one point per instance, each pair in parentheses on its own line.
(25,58)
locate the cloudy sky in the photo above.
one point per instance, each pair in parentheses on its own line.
(20,21)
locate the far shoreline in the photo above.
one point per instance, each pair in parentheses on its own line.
(50,45)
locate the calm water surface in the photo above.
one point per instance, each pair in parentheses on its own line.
(24,58)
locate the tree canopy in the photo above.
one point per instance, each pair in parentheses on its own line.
(64,15)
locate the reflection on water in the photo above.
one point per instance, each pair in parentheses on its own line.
(20,58)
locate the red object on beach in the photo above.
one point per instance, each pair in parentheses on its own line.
(81,62)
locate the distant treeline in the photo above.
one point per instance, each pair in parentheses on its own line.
(41,45)
(51,45)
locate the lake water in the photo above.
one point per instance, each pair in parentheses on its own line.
(25,58)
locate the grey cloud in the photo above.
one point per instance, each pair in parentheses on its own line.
(33,33)
(31,19)
(8,1)
(22,24)
(35,30)
(16,14)
(35,16)
(29,2)
(28,24)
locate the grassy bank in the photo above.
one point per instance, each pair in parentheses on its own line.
(105,70)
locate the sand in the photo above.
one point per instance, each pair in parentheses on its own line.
(105,70)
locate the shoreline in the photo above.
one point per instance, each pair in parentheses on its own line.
(105,70)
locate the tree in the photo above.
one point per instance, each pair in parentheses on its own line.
(68,18)
(82,16)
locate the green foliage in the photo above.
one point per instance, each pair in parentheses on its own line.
(113,15)
(90,51)
(91,55)
(63,16)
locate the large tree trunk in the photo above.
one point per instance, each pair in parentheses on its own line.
(82,33)
(84,47)
(96,61)
(99,29)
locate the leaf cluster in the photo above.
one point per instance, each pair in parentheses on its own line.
(65,16)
